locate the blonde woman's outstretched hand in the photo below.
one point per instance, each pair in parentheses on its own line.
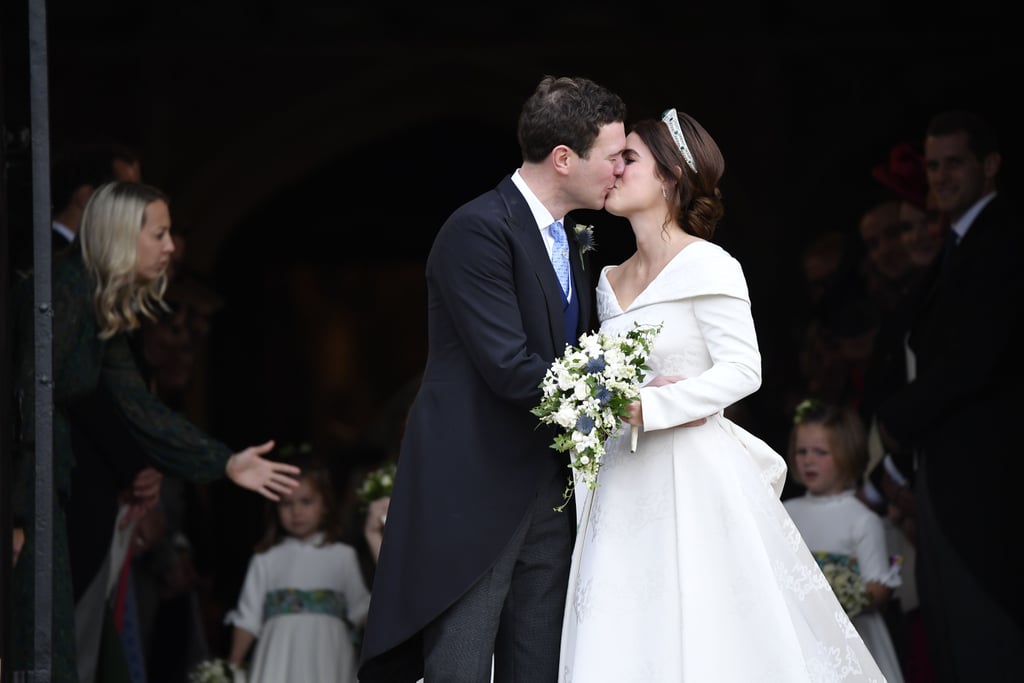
(250,470)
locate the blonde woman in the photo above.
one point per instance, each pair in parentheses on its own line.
(112,276)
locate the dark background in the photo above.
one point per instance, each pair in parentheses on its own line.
(312,149)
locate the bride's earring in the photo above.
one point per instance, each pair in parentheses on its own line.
(664,193)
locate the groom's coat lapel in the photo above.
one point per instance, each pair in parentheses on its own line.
(524,227)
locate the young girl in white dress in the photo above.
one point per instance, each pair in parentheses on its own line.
(304,597)
(828,456)
(687,568)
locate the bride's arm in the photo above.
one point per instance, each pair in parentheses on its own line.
(636,408)
(728,329)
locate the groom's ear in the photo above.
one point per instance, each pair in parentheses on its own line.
(562,158)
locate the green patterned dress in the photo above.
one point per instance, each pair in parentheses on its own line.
(81,361)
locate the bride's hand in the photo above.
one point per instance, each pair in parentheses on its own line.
(636,414)
(636,409)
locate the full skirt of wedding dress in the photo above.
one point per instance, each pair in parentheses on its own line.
(688,569)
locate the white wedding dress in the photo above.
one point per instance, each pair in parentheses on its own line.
(687,567)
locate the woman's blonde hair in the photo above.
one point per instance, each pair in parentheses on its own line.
(109,235)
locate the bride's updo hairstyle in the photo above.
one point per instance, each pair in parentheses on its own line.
(691,164)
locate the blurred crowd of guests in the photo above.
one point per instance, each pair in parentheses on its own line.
(911,323)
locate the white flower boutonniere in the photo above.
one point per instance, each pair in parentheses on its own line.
(584,239)
(587,392)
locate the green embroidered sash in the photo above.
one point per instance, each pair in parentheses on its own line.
(295,601)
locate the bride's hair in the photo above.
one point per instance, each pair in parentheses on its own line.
(694,198)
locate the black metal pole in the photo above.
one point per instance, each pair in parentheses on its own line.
(43,329)
(5,396)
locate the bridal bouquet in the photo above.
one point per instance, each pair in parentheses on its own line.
(844,577)
(587,391)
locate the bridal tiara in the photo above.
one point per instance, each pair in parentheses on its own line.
(671,119)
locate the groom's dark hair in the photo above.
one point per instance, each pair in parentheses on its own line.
(566,111)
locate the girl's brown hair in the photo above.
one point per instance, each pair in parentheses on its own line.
(319,477)
(846,432)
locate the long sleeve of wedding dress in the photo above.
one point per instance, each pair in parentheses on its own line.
(731,344)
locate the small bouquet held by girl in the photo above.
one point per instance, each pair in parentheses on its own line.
(216,671)
(843,576)
(587,392)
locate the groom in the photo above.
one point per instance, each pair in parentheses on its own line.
(475,560)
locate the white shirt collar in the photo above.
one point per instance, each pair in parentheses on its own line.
(964,224)
(316,539)
(64,230)
(540,213)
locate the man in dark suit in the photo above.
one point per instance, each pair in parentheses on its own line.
(475,560)
(960,414)
(76,173)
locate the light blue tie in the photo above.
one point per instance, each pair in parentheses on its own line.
(560,255)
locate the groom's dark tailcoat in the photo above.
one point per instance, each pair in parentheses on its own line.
(963,410)
(473,455)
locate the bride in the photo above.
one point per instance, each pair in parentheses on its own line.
(687,566)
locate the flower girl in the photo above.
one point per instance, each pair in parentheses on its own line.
(304,596)
(828,455)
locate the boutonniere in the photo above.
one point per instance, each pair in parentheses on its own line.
(584,239)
